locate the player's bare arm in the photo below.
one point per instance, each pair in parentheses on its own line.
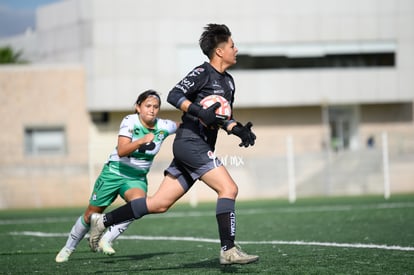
(126,147)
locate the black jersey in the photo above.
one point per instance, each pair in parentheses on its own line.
(202,81)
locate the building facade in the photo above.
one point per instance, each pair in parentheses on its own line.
(324,83)
(45,135)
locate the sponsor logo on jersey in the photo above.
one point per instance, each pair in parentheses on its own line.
(216,84)
(187,83)
(196,72)
(161,135)
(184,85)
(178,86)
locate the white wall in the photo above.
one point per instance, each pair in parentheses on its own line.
(128,46)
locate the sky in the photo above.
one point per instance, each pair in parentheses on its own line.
(16,16)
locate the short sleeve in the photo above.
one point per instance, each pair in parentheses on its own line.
(125,129)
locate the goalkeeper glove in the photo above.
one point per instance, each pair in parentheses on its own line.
(244,133)
(207,116)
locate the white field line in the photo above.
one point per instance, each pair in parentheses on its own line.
(205,240)
(186,214)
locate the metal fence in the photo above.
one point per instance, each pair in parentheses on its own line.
(384,169)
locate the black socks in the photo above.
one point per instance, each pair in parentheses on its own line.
(225,215)
(134,209)
(226,220)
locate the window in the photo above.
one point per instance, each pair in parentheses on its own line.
(316,55)
(45,141)
(100,117)
(327,61)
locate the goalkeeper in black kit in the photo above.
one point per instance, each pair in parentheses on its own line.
(194,146)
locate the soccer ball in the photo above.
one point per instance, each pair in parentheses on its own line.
(223,112)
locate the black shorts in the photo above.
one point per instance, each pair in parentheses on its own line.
(193,157)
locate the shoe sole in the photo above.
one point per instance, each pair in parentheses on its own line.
(108,253)
(224,262)
(61,260)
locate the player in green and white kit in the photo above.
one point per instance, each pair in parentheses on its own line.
(125,173)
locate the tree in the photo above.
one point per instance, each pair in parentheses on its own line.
(9,56)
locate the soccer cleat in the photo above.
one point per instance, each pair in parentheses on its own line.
(96,231)
(106,247)
(63,255)
(236,256)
